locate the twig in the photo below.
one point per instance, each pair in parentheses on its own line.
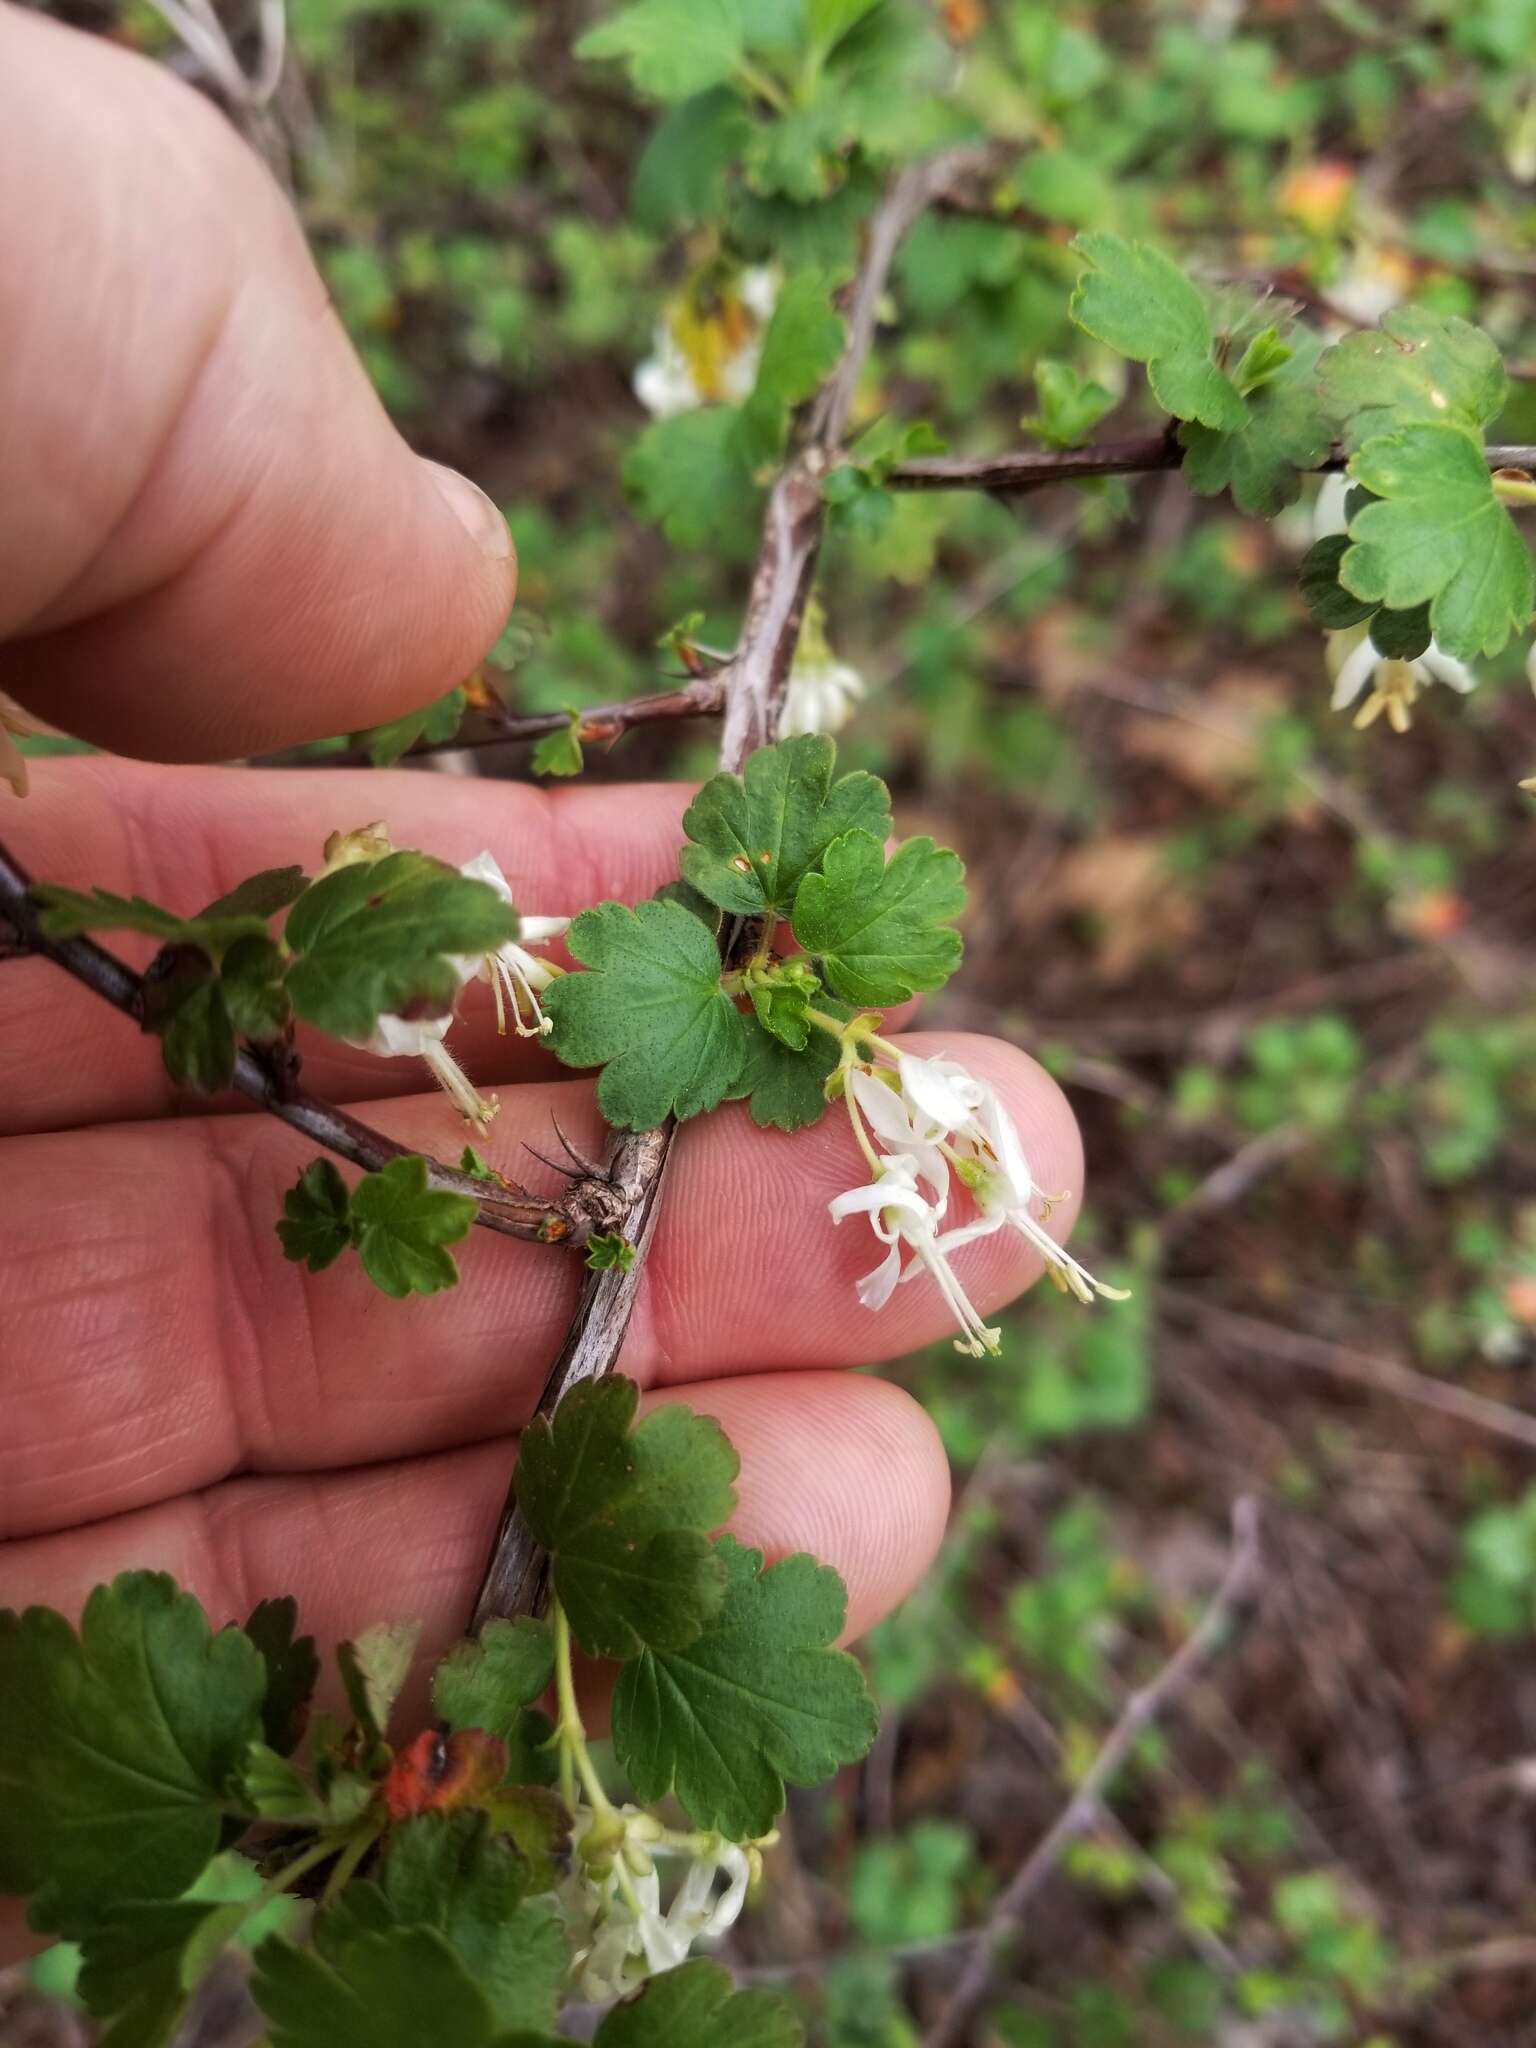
(1029,469)
(1249,1334)
(701,697)
(589,1205)
(755,680)
(1082,1810)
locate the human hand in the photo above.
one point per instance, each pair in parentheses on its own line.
(212,541)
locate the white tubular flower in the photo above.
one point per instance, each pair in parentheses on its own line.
(822,690)
(516,975)
(708,356)
(1328,506)
(820,697)
(423,1038)
(620,1931)
(966,1119)
(1354,660)
(901,1216)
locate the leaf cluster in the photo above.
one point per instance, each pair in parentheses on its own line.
(139,1751)
(375,936)
(398,1225)
(674,1031)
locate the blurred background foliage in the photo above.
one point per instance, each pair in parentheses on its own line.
(1283,968)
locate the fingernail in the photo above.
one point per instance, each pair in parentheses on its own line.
(475,512)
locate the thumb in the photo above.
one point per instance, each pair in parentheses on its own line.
(212,539)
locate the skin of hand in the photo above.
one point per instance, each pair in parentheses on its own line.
(212,541)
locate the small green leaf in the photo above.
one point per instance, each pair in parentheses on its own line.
(755,835)
(881,928)
(672,48)
(786,1088)
(451,1873)
(1439,536)
(1138,301)
(1402,636)
(759,1697)
(275,1788)
(681,176)
(611,1253)
(1284,434)
(316,1225)
(691,900)
(1071,406)
(490,1683)
(691,475)
(697,2006)
(800,349)
(260,895)
(559,753)
(650,1011)
(402,1987)
(401,1226)
(625,1512)
(119,1747)
(1420,367)
(1264,357)
(471,1163)
(197,1035)
(252,981)
(66,913)
(1322,592)
(292,1669)
(435,723)
(373,1667)
(379,936)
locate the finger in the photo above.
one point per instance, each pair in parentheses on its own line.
(124,1249)
(182,837)
(213,538)
(410,1540)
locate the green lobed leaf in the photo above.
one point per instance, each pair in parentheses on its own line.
(756,835)
(800,349)
(401,1987)
(373,1666)
(376,937)
(316,1225)
(401,1227)
(698,2006)
(274,1787)
(1071,406)
(436,723)
(119,1747)
(66,913)
(259,895)
(760,1697)
(880,929)
(251,980)
(691,475)
(786,1089)
(559,753)
(1323,594)
(609,1252)
(1285,433)
(650,1011)
(625,1512)
(1141,304)
(1440,536)
(681,176)
(492,1682)
(192,1021)
(1419,367)
(293,1667)
(451,1873)
(672,48)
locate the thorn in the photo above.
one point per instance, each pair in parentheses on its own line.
(554,1164)
(590,1167)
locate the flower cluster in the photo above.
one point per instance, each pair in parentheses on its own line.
(611,1901)
(516,976)
(923,1124)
